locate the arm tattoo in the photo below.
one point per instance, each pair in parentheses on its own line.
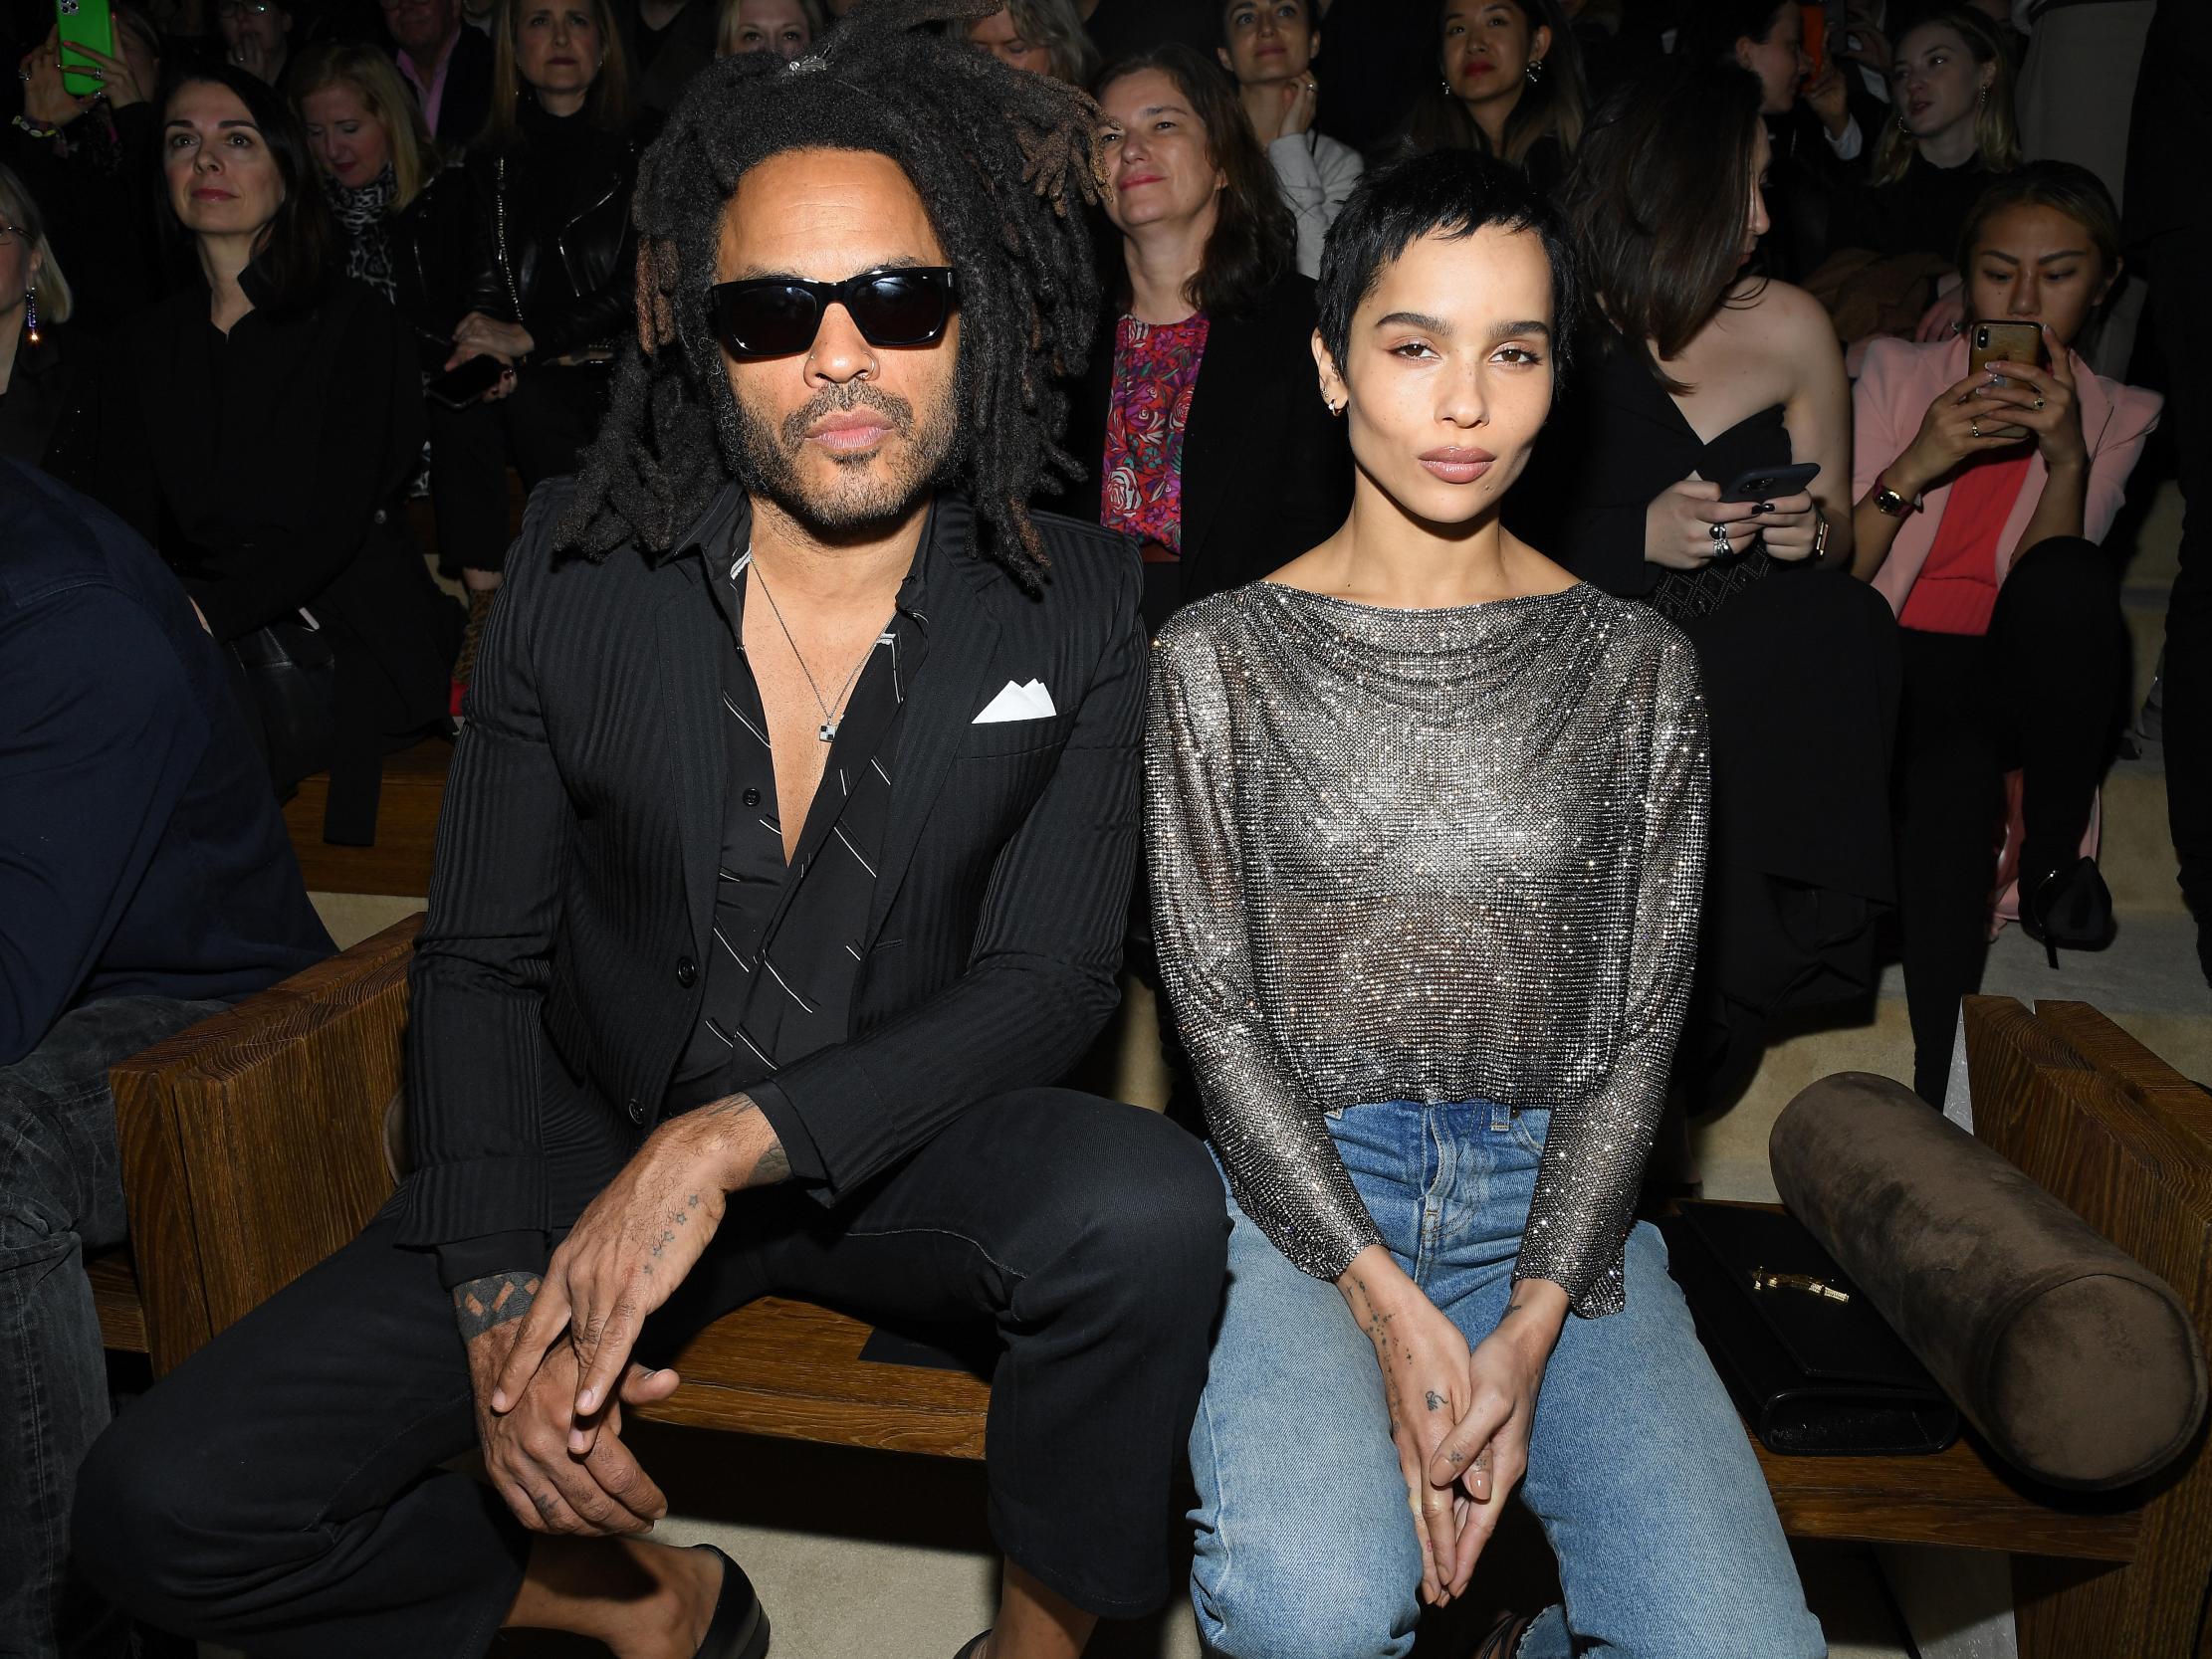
(481,1303)
(774,1163)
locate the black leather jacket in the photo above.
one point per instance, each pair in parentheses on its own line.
(432,247)
(575,287)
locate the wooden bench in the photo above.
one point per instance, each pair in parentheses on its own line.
(222,1219)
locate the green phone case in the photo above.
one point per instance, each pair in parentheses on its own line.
(84,23)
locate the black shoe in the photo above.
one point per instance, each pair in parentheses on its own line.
(972,1648)
(2071,906)
(740,1630)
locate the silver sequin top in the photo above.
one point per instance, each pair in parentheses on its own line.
(1437,855)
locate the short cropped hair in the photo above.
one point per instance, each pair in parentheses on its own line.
(1449,193)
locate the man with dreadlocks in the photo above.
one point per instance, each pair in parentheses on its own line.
(784,862)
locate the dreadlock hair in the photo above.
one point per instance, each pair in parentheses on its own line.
(1003,162)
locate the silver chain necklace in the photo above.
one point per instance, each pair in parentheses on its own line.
(827,731)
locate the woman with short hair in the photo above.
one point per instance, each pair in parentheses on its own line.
(1186,416)
(1425,820)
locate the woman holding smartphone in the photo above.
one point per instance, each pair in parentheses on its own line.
(1983,497)
(1425,820)
(1702,376)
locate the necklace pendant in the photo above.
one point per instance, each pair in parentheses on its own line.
(826,730)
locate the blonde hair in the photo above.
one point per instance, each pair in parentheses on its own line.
(371,77)
(726,30)
(1996,134)
(606,106)
(18,209)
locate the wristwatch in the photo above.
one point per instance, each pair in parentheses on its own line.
(1888,500)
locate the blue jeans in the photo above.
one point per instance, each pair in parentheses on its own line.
(60,1196)
(1638,1467)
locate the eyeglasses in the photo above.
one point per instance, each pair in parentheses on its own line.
(779,317)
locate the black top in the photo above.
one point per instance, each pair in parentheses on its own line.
(47,380)
(1267,470)
(1617,441)
(1921,213)
(140,851)
(574,898)
(788,935)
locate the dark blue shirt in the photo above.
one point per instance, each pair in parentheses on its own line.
(141,852)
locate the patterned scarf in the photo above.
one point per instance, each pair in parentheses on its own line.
(361,215)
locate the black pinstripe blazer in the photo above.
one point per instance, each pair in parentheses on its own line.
(573,891)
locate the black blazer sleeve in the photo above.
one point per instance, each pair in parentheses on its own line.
(1043,978)
(476,1051)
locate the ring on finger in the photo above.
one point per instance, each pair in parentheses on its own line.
(1973,429)
(2037,404)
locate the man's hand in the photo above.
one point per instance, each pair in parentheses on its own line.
(633,1247)
(526,1455)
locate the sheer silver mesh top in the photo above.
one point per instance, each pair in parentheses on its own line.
(1436,855)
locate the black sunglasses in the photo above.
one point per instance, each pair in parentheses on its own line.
(777,316)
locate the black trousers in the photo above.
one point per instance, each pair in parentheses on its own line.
(2177,262)
(543,427)
(2042,692)
(282,1490)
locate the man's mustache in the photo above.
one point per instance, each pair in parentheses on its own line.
(837,400)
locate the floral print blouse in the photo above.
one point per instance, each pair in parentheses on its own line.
(1156,366)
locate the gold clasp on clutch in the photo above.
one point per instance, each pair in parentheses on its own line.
(1763,1280)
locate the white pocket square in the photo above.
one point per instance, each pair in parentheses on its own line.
(1017,702)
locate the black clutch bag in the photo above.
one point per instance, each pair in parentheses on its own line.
(1813,1366)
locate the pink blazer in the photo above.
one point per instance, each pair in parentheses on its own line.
(1899,381)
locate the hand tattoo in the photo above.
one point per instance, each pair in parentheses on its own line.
(482,1303)
(1435,1401)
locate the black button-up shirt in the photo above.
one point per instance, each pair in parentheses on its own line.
(788,938)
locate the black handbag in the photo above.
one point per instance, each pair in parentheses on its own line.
(1813,1368)
(289,677)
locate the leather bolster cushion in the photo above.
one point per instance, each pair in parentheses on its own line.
(2076,1364)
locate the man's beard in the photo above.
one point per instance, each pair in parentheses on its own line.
(869,488)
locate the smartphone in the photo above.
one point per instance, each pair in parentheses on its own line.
(457,389)
(1816,38)
(83,23)
(2009,342)
(1766,483)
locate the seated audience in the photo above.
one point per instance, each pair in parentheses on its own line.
(665,43)
(448,64)
(1702,376)
(257,36)
(1511,87)
(1044,37)
(548,284)
(37,369)
(788,28)
(833,476)
(145,883)
(1982,500)
(1185,423)
(1951,84)
(1269,46)
(259,425)
(401,212)
(1767,38)
(1378,785)
(91,163)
